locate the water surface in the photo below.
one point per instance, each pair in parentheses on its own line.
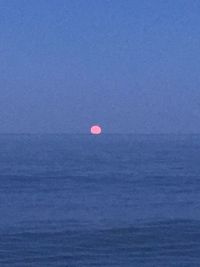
(108,200)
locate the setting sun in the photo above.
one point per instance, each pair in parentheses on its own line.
(95,129)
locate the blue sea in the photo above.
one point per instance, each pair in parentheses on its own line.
(107,200)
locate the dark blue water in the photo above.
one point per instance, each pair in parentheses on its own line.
(109,200)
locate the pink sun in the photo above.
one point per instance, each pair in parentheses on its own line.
(95,129)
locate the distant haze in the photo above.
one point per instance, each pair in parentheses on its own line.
(130,66)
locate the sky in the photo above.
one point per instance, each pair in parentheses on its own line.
(131,66)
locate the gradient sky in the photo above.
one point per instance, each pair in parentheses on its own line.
(132,66)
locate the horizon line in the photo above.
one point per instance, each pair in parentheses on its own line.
(103,133)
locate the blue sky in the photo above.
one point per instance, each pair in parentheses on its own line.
(131,66)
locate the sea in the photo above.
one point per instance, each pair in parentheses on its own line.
(107,200)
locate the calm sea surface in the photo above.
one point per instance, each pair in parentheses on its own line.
(109,200)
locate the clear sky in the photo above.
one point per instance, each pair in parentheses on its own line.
(132,66)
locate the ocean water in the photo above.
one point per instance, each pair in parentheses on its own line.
(108,200)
